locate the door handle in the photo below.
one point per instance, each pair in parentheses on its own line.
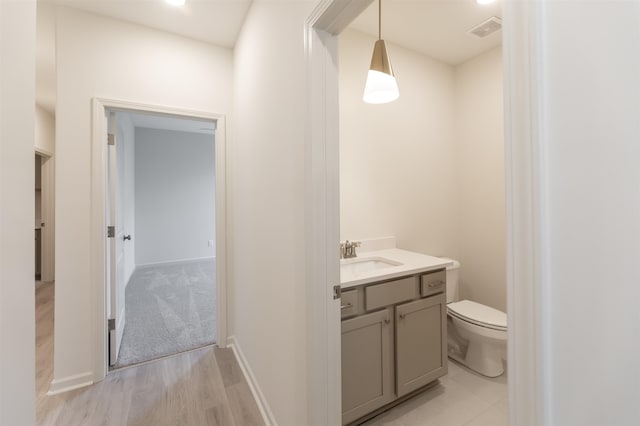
(126,237)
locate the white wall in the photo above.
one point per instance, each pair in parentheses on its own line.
(397,160)
(175,195)
(45,135)
(266,205)
(429,167)
(98,56)
(17,316)
(480,163)
(125,145)
(591,105)
(46,57)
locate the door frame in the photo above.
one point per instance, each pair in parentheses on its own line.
(47,176)
(322,208)
(99,285)
(526,198)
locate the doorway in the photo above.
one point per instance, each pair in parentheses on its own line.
(44,218)
(521,48)
(151,256)
(44,263)
(38,220)
(430,174)
(161,248)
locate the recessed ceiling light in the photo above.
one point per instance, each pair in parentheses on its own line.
(175,2)
(480,1)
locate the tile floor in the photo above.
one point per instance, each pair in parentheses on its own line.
(462,398)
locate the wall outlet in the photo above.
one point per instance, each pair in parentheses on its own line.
(210,243)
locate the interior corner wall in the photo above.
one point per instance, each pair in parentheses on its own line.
(17,300)
(111,59)
(480,163)
(266,204)
(175,183)
(397,161)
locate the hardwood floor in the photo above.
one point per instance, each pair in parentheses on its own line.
(202,387)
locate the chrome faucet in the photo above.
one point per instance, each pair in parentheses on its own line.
(348,249)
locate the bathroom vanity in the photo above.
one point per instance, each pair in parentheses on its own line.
(394,337)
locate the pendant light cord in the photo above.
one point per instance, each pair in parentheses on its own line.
(379,19)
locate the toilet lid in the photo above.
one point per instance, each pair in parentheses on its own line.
(479,314)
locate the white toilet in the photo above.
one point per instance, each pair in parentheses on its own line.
(477,334)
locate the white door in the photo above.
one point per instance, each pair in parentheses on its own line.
(116,240)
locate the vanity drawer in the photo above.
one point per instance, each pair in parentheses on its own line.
(390,293)
(433,282)
(348,303)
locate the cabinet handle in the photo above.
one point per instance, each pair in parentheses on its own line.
(347,306)
(402,316)
(435,284)
(387,320)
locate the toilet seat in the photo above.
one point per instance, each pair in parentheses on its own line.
(478,314)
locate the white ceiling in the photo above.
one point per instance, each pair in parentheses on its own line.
(436,28)
(213,21)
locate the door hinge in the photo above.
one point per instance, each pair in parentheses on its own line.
(111,139)
(337,292)
(111,231)
(111,324)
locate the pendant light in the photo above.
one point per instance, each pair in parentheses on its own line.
(381,84)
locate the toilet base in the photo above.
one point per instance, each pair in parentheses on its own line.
(484,358)
(482,350)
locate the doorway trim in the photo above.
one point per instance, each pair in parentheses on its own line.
(526,208)
(525,202)
(322,207)
(99,219)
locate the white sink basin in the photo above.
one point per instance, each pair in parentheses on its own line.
(368,264)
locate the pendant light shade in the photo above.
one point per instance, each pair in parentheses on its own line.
(381,86)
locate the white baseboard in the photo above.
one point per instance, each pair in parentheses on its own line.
(174,262)
(70,383)
(263,406)
(128,279)
(120,328)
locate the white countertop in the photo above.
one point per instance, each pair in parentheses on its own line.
(410,263)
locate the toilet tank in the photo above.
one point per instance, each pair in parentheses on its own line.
(452,280)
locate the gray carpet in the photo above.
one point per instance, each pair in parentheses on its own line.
(169,309)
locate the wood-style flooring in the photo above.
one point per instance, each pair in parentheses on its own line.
(202,387)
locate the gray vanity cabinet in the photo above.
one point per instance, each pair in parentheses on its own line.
(367,381)
(421,345)
(394,341)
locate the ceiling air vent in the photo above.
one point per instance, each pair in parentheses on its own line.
(487,27)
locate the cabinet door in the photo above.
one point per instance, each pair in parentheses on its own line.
(421,343)
(367,364)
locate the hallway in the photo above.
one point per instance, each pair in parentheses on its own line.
(201,387)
